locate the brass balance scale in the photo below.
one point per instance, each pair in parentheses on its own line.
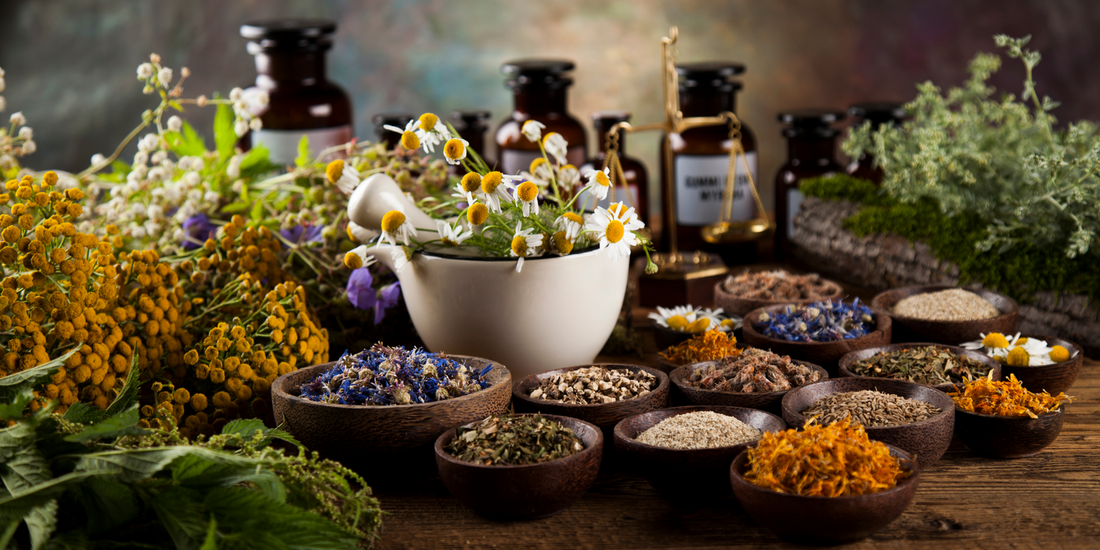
(677,271)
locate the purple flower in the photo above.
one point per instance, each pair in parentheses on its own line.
(390,294)
(303,234)
(197,229)
(360,293)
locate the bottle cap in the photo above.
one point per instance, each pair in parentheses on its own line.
(807,122)
(470,119)
(878,113)
(288,35)
(710,74)
(392,119)
(537,72)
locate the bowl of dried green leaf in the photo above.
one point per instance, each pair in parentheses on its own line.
(935,365)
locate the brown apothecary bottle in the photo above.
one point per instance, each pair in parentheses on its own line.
(875,114)
(471,126)
(633,170)
(540,92)
(811,152)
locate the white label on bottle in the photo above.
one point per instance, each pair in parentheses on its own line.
(585,200)
(513,162)
(701,183)
(282,145)
(794,202)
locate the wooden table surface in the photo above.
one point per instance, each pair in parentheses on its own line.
(1051,500)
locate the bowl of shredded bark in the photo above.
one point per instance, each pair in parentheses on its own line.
(740,294)
(602,394)
(919,419)
(936,365)
(687,451)
(946,314)
(519,466)
(756,379)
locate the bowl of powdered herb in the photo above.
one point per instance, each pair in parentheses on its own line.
(755,379)
(919,419)
(946,314)
(519,466)
(686,451)
(936,365)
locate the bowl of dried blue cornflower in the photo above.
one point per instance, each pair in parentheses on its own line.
(820,332)
(381,409)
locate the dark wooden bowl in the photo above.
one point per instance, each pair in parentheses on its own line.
(823,520)
(825,354)
(530,491)
(665,469)
(1055,378)
(665,337)
(735,305)
(377,441)
(603,415)
(770,402)
(927,440)
(857,356)
(668,366)
(909,329)
(1007,436)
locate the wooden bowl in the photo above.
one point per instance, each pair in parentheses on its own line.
(909,329)
(1008,436)
(603,415)
(665,468)
(823,520)
(530,491)
(863,354)
(825,354)
(665,337)
(770,402)
(926,440)
(1055,378)
(735,305)
(377,441)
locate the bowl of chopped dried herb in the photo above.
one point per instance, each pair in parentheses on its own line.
(919,419)
(602,394)
(740,294)
(946,314)
(821,332)
(756,379)
(377,424)
(662,445)
(851,487)
(937,365)
(519,467)
(1003,419)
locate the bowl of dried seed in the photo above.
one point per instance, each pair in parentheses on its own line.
(946,314)
(663,446)
(602,394)
(919,419)
(519,466)
(756,379)
(936,365)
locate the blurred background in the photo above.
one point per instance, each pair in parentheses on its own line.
(70,63)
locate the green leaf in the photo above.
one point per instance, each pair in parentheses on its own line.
(257,213)
(175,105)
(138,464)
(245,427)
(107,503)
(303,152)
(267,523)
(257,156)
(186,142)
(124,423)
(203,473)
(19,403)
(41,522)
(224,136)
(235,207)
(181,512)
(281,205)
(211,542)
(14,383)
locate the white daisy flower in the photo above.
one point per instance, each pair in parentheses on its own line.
(998,346)
(358,257)
(494,188)
(528,195)
(568,218)
(344,175)
(675,318)
(540,172)
(395,226)
(400,257)
(599,182)
(524,244)
(615,229)
(467,187)
(455,150)
(569,176)
(452,236)
(556,146)
(564,239)
(532,130)
(718,320)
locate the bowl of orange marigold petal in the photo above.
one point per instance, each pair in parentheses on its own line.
(711,345)
(847,486)
(1003,419)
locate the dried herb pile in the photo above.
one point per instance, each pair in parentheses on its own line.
(709,346)
(779,285)
(1006,398)
(594,385)
(924,365)
(823,321)
(872,409)
(514,440)
(826,461)
(754,371)
(699,430)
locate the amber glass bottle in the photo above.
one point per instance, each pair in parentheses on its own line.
(389,137)
(539,89)
(700,156)
(633,170)
(875,114)
(471,126)
(290,67)
(811,152)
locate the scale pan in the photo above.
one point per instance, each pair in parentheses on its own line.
(736,232)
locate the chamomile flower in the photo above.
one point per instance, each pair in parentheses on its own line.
(556,146)
(718,321)
(467,187)
(569,176)
(532,130)
(455,150)
(567,219)
(1000,347)
(675,318)
(528,195)
(358,257)
(599,182)
(400,257)
(615,229)
(477,214)
(540,172)
(426,131)
(452,236)
(494,188)
(564,239)
(344,175)
(524,244)
(395,226)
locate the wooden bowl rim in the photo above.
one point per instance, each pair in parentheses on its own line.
(842,365)
(690,367)
(662,382)
(566,421)
(620,434)
(1060,410)
(914,477)
(719,288)
(882,324)
(925,289)
(874,429)
(277,389)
